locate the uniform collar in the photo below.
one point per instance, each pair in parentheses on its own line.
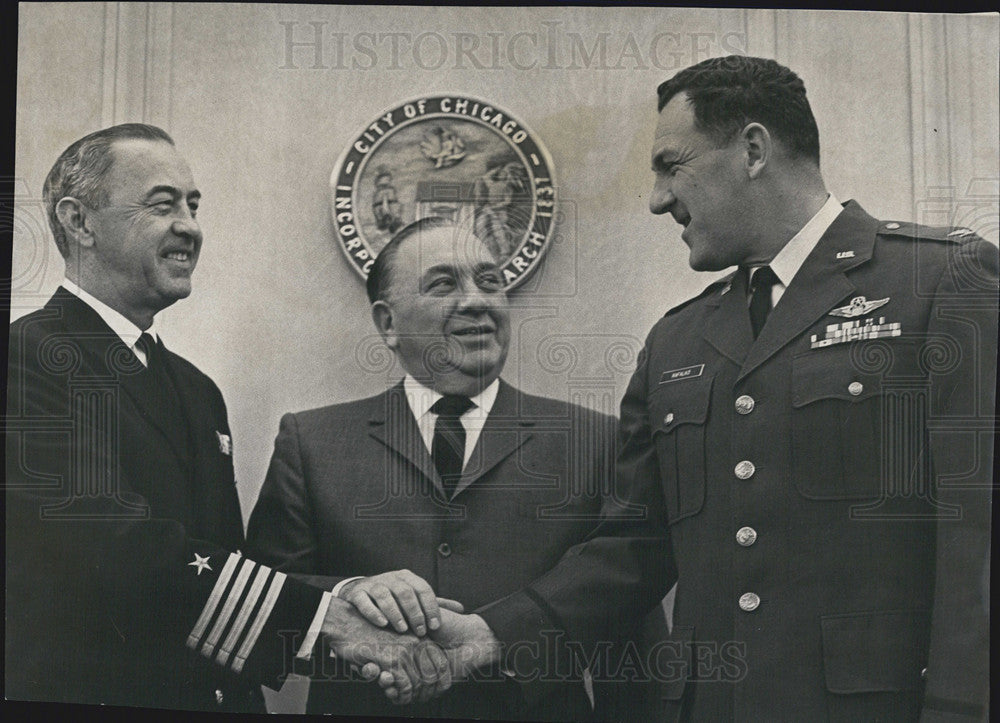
(125,329)
(790,258)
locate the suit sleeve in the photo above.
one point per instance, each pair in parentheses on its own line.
(961,354)
(70,544)
(281,530)
(602,586)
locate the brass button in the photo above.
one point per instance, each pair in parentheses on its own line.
(745,404)
(669,418)
(923,674)
(746,536)
(219,697)
(892,226)
(444,549)
(855,388)
(749,601)
(745,469)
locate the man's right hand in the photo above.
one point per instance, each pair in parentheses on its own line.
(399,597)
(418,668)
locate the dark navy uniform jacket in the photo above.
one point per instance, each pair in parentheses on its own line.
(827,485)
(123,586)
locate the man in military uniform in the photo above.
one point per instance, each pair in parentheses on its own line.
(124,580)
(819,423)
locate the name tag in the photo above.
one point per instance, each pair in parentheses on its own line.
(675,375)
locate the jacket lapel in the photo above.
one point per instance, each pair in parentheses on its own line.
(504,432)
(392,424)
(105,356)
(727,327)
(820,284)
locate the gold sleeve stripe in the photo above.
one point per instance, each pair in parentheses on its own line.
(226,613)
(213,601)
(241,620)
(258,624)
(306,649)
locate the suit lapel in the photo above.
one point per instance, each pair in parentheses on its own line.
(727,327)
(504,432)
(820,284)
(392,424)
(105,356)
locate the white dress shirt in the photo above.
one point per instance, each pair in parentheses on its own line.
(789,260)
(128,332)
(421,399)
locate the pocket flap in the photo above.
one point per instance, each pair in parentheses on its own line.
(832,374)
(678,403)
(875,652)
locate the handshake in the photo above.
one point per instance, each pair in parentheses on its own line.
(398,632)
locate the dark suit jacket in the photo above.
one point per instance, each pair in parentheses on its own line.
(868,495)
(109,500)
(352,490)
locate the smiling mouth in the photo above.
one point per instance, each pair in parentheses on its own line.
(473,331)
(183,256)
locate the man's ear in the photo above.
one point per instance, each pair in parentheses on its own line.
(72,214)
(384,322)
(758,145)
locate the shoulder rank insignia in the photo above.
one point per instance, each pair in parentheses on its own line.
(859,306)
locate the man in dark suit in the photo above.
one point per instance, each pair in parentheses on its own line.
(819,423)
(381,488)
(125,581)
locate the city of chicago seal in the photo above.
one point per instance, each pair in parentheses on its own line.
(446,155)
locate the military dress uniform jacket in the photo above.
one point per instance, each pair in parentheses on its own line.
(352,490)
(827,485)
(123,586)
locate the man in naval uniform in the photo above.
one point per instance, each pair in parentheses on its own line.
(819,423)
(125,584)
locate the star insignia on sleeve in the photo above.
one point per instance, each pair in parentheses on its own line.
(200,562)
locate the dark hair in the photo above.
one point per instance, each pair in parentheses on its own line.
(81,169)
(728,93)
(380,275)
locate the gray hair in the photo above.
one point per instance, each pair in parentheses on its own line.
(81,169)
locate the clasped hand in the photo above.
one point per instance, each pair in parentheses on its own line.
(407,665)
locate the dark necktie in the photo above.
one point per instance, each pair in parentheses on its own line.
(760,299)
(147,346)
(448,447)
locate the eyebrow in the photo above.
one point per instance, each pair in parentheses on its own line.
(452,269)
(174,192)
(664,159)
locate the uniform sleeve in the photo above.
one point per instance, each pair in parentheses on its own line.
(603,585)
(281,530)
(99,557)
(961,354)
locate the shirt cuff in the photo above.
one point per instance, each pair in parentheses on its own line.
(339,586)
(306,649)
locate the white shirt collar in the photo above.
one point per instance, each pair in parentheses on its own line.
(421,398)
(789,260)
(125,329)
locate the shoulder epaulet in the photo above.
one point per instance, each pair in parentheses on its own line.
(725,281)
(955,234)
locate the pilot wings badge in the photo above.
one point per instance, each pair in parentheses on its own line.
(859,306)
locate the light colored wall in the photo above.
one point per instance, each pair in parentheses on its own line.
(907,108)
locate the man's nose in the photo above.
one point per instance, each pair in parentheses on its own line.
(187,227)
(662,197)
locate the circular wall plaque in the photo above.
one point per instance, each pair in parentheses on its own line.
(446,155)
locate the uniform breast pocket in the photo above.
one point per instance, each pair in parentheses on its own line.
(678,414)
(836,426)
